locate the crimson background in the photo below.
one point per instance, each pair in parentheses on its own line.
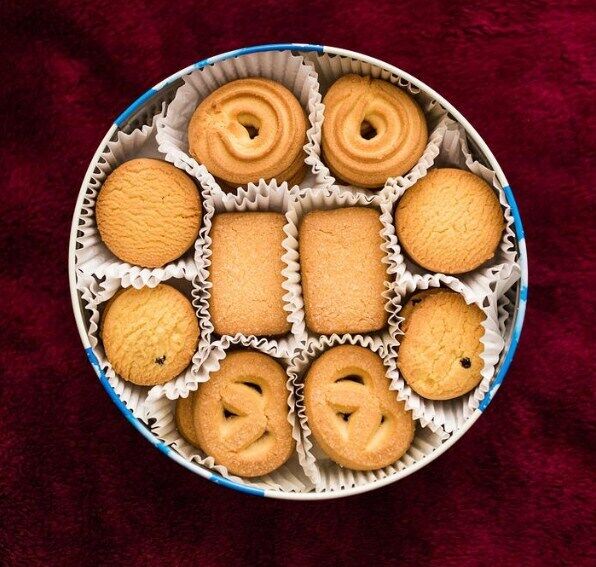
(79,485)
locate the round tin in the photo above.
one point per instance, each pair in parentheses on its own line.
(132,117)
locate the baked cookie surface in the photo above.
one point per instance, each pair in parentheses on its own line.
(148,212)
(250,129)
(372,130)
(440,352)
(342,270)
(150,334)
(351,412)
(185,421)
(246,274)
(241,415)
(450,221)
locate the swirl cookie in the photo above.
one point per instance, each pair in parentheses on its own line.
(342,270)
(150,334)
(148,212)
(246,274)
(372,130)
(439,355)
(250,129)
(450,221)
(352,414)
(241,415)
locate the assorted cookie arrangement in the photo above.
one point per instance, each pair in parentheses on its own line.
(319,238)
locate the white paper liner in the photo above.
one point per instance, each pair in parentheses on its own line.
(335,198)
(506,308)
(95,294)
(325,474)
(161,405)
(261,197)
(92,255)
(330,68)
(450,414)
(499,273)
(281,66)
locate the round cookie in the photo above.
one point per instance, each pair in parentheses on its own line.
(184,415)
(241,415)
(150,334)
(352,414)
(450,221)
(250,129)
(439,353)
(148,212)
(372,130)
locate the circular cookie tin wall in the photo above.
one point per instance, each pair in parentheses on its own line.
(141,112)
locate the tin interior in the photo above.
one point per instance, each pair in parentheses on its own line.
(140,113)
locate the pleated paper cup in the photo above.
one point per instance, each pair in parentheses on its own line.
(155,126)
(96,294)
(93,258)
(264,197)
(326,199)
(292,71)
(326,475)
(330,68)
(500,272)
(161,405)
(450,414)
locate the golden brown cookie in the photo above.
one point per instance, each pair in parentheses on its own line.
(372,130)
(250,129)
(439,354)
(351,412)
(185,419)
(450,221)
(241,415)
(150,334)
(148,212)
(246,274)
(342,270)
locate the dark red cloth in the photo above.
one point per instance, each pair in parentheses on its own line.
(80,486)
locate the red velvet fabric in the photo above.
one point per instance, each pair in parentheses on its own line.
(80,486)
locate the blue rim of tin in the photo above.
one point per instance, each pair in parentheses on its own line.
(519,314)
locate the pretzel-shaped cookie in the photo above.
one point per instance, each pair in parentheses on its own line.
(351,412)
(241,415)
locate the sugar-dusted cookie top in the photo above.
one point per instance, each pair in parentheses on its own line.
(246,274)
(241,415)
(342,270)
(351,412)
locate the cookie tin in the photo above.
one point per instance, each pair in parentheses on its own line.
(136,114)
